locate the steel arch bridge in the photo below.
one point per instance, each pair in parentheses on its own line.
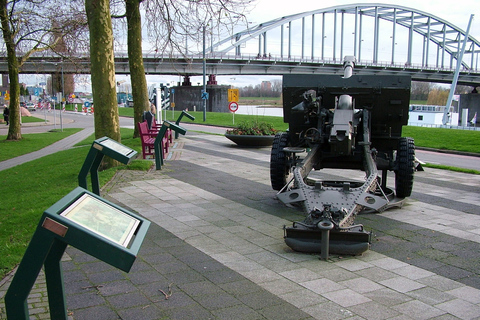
(385,39)
(370,32)
(444,38)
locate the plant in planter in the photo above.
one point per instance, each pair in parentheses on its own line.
(252,134)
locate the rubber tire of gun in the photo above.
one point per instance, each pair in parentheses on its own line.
(405,167)
(279,161)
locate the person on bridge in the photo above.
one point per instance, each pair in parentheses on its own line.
(6,114)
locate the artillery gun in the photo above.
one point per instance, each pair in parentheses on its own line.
(349,122)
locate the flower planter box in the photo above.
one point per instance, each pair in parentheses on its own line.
(251,140)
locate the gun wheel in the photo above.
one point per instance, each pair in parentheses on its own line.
(405,167)
(280,162)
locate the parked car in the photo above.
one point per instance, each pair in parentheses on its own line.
(31,107)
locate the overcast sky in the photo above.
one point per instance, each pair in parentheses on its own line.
(455,12)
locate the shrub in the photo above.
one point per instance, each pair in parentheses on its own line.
(253,128)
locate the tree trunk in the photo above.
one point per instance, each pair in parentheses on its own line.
(103,73)
(14,130)
(135,60)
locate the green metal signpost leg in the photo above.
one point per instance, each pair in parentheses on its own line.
(184,113)
(91,164)
(159,148)
(94,173)
(54,279)
(87,164)
(158,141)
(26,275)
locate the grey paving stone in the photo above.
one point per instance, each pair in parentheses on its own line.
(239,312)
(196,312)
(102,312)
(142,277)
(128,300)
(240,287)
(418,310)
(178,299)
(430,296)
(283,312)
(216,301)
(460,308)
(106,276)
(146,312)
(201,288)
(387,297)
(116,287)
(223,276)
(373,311)
(84,300)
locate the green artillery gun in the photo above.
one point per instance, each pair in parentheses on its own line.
(349,122)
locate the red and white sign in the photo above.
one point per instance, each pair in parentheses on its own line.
(233,106)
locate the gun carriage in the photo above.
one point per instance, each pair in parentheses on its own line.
(349,122)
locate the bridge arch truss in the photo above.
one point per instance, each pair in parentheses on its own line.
(375,34)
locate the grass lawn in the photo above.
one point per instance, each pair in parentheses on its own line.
(446,139)
(31,119)
(29,189)
(31,142)
(222,119)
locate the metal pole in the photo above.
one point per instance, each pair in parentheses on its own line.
(204,83)
(158,93)
(457,71)
(63,102)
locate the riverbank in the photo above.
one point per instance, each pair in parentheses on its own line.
(262,101)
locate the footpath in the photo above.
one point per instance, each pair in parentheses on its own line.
(215,250)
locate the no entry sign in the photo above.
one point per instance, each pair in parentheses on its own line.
(233,106)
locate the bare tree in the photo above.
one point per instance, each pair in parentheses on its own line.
(420,90)
(30,27)
(107,121)
(175,27)
(438,96)
(135,61)
(171,24)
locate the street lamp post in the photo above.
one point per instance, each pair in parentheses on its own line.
(62,102)
(204,84)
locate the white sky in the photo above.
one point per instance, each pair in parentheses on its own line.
(455,12)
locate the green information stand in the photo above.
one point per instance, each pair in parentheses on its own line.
(184,113)
(87,222)
(100,148)
(158,141)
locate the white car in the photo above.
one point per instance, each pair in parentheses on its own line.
(31,107)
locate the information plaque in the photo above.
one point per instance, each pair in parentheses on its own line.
(100,148)
(87,222)
(102,219)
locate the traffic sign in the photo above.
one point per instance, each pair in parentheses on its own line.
(204,95)
(233,95)
(233,106)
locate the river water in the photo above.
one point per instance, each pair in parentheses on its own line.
(260,111)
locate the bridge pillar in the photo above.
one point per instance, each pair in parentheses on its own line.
(190,97)
(186,81)
(212,79)
(470,101)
